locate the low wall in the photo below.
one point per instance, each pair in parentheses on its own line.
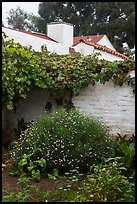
(30,108)
(113,105)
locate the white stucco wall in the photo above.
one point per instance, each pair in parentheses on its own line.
(107,56)
(88,49)
(30,108)
(36,42)
(105,42)
(61,32)
(132,73)
(84,48)
(114,106)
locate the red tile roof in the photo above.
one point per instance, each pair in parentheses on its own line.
(101,47)
(33,34)
(77,40)
(94,38)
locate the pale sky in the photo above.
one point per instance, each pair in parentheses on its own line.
(29,7)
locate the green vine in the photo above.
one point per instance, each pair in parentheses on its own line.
(24,69)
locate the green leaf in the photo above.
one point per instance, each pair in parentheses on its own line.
(36,175)
(50,176)
(23,162)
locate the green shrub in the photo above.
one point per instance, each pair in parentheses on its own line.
(106,183)
(66,140)
(125,148)
(22,196)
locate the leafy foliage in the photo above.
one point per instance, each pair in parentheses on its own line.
(22,196)
(30,164)
(19,19)
(54,175)
(66,140)
(111,186)
(107,184)
(24,69)
(125,148)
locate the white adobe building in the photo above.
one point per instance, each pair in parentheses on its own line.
(60,38)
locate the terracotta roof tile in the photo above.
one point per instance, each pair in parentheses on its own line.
(94,38)
(77,40)
(101,47)
(33,34)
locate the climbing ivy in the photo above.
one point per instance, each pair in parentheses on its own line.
(24,69)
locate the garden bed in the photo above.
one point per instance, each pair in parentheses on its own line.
(68,157)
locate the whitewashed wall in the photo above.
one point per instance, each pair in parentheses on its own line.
(61,32)
(107,56)
(30,108)
(36,42)
(105,42)
(114,106)
(84,48)
(88,50)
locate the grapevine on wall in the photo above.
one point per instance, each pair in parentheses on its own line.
(24,69)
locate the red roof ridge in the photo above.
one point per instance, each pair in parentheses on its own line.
(80,38)
(94,38)
(40,35)
(104,48)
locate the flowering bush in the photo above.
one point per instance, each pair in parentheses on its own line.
(67,140)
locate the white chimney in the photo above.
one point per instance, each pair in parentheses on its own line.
(62,32)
